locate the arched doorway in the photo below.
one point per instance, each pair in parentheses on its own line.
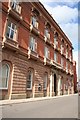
(55,85)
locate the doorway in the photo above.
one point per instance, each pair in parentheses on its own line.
(55,85)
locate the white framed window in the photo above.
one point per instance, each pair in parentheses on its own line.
(4,76)
(62,62)
(71,67)
(47,33)
(11,31)
(29,79)
(55,41)
(67,65)
(67,52)
(45,81)
(66,85)
(55,56)
(35,22)
(33,44)
(70,56)
(62,48)
(15,5)
(46,52)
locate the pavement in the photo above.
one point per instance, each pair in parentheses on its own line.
(18,101)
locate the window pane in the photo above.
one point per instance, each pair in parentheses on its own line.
(32,44)
(14,2)
(29,79)
(55,57)
(28,84)
(46,33)
(13,26)
(5,76)
(45,81)
(12,34)
(8,32)
(62,62)
(11,31)
(9,24)
(55,40)
(34,21)
(46,52)
(4,82)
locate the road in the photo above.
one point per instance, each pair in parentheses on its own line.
(62,107)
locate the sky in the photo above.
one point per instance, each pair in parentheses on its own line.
(66,14)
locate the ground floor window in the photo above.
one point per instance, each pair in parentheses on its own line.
(29,79)
(45,81)
(4,75)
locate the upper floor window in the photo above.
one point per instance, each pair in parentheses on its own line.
(67,51)
(62,62)
(67,65)
(46,52)
(70,56)
(45,81)
(55,56)
(56,39)
(11,31)
(62,47)
(29,79)
(47,33)
(34,22)
(16,6)
(4,74)
(47,30)
(33,44)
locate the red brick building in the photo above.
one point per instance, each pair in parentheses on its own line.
(75,76)
(37,58)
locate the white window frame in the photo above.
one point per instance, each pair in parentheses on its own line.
(55,56)
(67,52)
(62,48)
(46,52)
(47,33)
(34,22)
(55,41)
(70,56)
(33,44)
(67,65)
(30,72)
(11,30)
(62,62)
(45,81)
(66,85)
(15,6)
(5,77)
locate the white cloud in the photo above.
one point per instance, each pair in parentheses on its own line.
(71,30)
(73,1)
(63,14)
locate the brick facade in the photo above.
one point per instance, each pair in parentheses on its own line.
(16,53)
(75,77)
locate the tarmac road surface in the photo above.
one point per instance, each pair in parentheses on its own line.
(62,107)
